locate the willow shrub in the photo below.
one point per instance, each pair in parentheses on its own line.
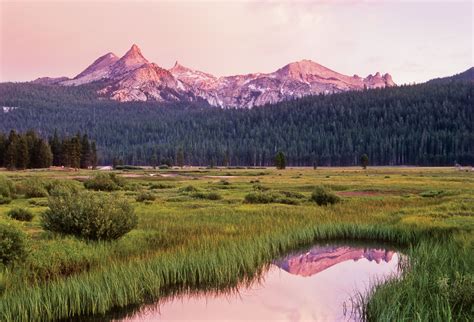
(6,190)
(33,188)
(13,243)
(105,182)
(89,215)
(324,197)
(145,196)
(21,214)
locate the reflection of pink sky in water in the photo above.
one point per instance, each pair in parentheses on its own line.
(283,296)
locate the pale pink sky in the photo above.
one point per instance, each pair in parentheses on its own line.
(413,40)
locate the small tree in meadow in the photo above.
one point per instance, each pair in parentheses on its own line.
(364,160)
(180,158)
(280,161)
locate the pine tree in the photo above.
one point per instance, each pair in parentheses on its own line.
(56,145)
(280,161)
(45,156)
(11,151)
(32,141)
(65,152)
(154,159)
(364,160)
(73,152)
(226,160)
(85,152)
(93,156)
(23,155)
(3,149)
(180,158)
(115,163)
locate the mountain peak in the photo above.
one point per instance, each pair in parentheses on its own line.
(110,55)
(96,71)
(132,59)
(134,52)
(133,77)
(304,63)
(301,70)
(177,68)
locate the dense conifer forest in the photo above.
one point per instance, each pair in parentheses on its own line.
(28,150)
(426,124)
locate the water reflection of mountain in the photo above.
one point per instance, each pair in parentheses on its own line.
(319,258)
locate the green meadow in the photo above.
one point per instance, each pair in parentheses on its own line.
(206,229)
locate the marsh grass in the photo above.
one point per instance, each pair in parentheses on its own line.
(183,243)
(437,285)
(228,264)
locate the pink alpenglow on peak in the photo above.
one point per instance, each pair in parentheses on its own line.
(133,78)
(99,64)
(319,259)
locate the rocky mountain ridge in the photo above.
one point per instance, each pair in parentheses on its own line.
(319,259)
(133,78)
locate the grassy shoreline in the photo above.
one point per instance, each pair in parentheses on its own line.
(207,244)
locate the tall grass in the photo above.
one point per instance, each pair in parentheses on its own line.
(140,281)
(437,285)
(212,244)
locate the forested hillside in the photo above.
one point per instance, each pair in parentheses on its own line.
(428,124)
(466,76)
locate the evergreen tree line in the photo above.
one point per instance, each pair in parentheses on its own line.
(427,124)
(28,150)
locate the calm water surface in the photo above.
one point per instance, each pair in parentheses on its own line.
(312,285)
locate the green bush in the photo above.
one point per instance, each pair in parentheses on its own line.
(187,189)
(34,188)
(132,187)
(260,197)
(6,190)
(259,187)
(13,243)
(105,182)
(21,214)
(208,196)
(89,215)
(160,186)
(324,197)
(52,185)
(292,194)
(5,200)
(432,193)
(145,196)
(63,189)
(214,196)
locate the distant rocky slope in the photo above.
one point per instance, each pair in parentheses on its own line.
(320,258)
(133,78)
